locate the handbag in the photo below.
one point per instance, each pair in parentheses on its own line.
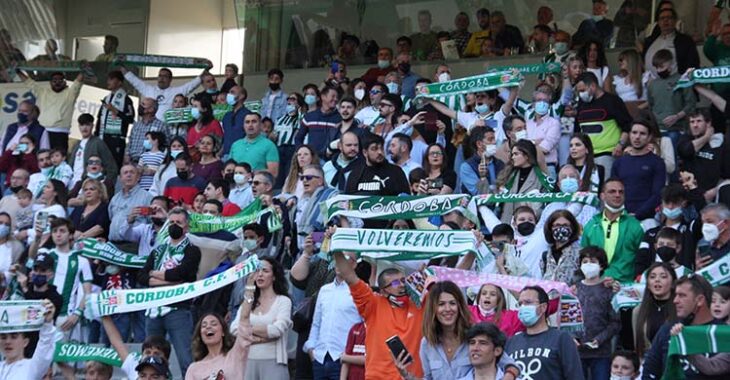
(303,314)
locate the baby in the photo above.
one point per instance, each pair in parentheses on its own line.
(24,215)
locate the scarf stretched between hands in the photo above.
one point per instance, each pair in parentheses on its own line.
(531,69)
(178,115)
(21,316)
(707,75)
(476,83)
(587,198)
(109,253)
(692,340)
(396,207)
(77,352)
(161,60)
(571,315)
(117,301)
(109,122)
(398,245)
(57,66)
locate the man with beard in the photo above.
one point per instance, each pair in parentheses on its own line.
(400,153)
(376,176)
(338,169)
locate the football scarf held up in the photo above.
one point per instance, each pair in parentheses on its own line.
(397,245)
(109,253)
(77,352)
(178,115)
(162,61)
(706,75)
(117,301)
(590,199)
(531,69)
(477,83)
(57,66)
(693,340)
(21,316)
(395,207)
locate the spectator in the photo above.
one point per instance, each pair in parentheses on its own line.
(544,130)
(703,153)
(117,113)
(231,74)
(630,83)
(668,242)
(409,78)
(209,166)
(715,233)
(293,186)
(486,350)
(219,189)
(349,50)
(597,28)
(490,307)
(27,124)
(167,169)
(41,278)
(514,129)
(18,202)
(353,359)
(144,234)
(308,216)
(323,123)
(57,103)
(670,107)
(473,47)
(425,39)
(376,176)
(540,39)
(593,55)
(285,129)
(311,97)
(22,156)
(183,188)
(152,158)
(162,92)
(37,180)
(561,262)
(89,146)
(604,118)
(487,112)
(61,170)
(390,110)
(561,49)
(273,104)
(370,305)
(205,123)
(461,34)
(625,364)
(522,175)
(346,108)
(53,204)
(241,193)
(178,129)
(622,244)
(337,170)
(210,87)
(692,298)
(11,249)
(337,76)
(507,38)
(370,116)
(601,321)
(679,44)
(569,182)
(130,196)
(15,365)
(440,179)
(581,156)
(545,17)
(334,314)
(560,358)
(400,152)
(173,262)
(267,356)
(642,171)
(359,89)
(233,120)
(255,149)
(478,173)
(385,65)
(146,123)
(111,43)
(92,220)
(656,306)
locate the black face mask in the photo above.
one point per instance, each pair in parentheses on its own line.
(183,175)
(664,74)
(526,228)
(175,231)
(229,177)
(158,221)
(15,189)
(404,67)
(666,253)
(274,86)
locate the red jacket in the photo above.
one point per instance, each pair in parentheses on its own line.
(10,162)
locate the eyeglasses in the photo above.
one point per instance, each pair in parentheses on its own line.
(397,282)
(375,92)
(303,177)
(93,162)
(436,153)
(385,105)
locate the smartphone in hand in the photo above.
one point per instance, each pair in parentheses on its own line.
(396,346)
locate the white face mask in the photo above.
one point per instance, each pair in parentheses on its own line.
(444,77)
(710,232)
(585,96)
(619,377)
(590,270)
(491,150)
(614,209)
(359,93)
(521,135)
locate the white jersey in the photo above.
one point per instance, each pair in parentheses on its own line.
(70,272)
(35,367)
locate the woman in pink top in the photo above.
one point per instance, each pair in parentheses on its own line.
(491,307)
(215,350)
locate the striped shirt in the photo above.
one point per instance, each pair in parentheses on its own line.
(286,128)
(135,148)
(151,159)
(70,271)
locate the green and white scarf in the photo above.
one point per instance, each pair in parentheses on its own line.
(253,105)
(109,253)
(477,83)
(220,110)
(706,75)
(108,122)
(161,61)
(531,69)
(706,339)
(587,198)
(57,66)
(77,352)
(21,316)
(546,182)
(396,207)
(118,301)
(397,245)
(178,115)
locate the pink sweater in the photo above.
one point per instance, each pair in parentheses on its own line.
(233,363)
(508,321)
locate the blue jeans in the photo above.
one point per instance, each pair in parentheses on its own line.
(599,368)
(329,370)
(177,325)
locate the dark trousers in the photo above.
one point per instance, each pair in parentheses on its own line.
(116,146)
(286,152)
(329,370)
(58,140)
(303,362)
(597,368)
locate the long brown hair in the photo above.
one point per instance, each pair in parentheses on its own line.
(501,304)
(290,185)
(432,329)
(634,69)
(426,165)
(645,307)
(199,349)
(588,165)
(528,149)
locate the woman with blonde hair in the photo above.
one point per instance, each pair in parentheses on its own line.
(92,219)
(629,83)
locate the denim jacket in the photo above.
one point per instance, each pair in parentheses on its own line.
(277,108)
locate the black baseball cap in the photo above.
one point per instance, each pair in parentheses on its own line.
(156,362)
(44,262)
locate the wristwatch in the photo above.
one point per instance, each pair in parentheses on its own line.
(248,300)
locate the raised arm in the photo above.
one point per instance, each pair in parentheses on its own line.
(718,101)
(451,114)
(244,336)
(115,338)
(47,338)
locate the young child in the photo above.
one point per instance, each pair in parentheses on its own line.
(721,303)
(24,216)
(353,359)
(668,243)
(94,370)
(601,322)
(491,307)
(624,365)
(62,171)
(151,159)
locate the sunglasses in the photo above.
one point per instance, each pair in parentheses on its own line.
(93,162)
(375,92)
(395,283)
(303,177)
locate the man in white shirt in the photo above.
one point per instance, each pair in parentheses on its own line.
(38,180)
(400,153)
(371,115)
(334,315)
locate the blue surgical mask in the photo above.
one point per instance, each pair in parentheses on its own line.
(195,113)
(310,99)
(22,148)
(94,175)
(482,108)
(392,87)
(230,99)
(290,108)
(528,315)
(597,18)
(672,213)
(147,144)
(4,231)
(39,279)
(569,185)
(211,90)
(250,244)
(561,47)
(383,63)
(174,153)
(47,171)
(542,107)
(239,179)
